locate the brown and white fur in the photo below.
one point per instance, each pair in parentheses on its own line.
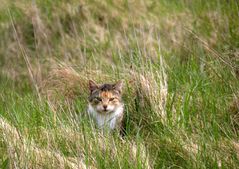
(105,105)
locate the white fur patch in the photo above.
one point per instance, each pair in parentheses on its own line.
(106,120)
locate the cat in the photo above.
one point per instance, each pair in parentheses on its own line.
(105,105)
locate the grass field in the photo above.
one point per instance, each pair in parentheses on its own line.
(179,60)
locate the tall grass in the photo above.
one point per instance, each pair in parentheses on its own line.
(179,63)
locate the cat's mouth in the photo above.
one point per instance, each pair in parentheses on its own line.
(105,111)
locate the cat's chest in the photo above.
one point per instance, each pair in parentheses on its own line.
(108,120)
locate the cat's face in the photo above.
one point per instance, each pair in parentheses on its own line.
(105,98)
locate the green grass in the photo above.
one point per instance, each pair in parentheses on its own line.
(179,62)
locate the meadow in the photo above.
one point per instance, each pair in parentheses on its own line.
(178,59)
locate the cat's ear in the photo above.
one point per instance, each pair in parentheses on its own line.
(92,86)
(118,86)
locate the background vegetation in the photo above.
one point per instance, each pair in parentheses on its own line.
(179,61)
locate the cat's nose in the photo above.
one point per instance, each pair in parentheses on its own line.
(105,107)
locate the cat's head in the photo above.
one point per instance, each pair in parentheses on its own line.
(105,98)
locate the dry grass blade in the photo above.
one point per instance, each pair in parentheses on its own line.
(214,52)
(152,89)
(107,144)
(23,154)
(25,56)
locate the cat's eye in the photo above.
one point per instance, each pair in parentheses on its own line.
(111,99)
(98,99)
